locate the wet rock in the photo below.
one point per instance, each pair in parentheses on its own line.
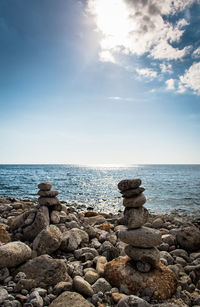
(135,217)
(122,274)
(189,238)
(45,270)
(132,301)
(146,255)
(45,186)
(69,299)
(48,240)
(13,254)
(128,184)
(82,286)
(134,202)
(141,237)
(41,221)
(73,238)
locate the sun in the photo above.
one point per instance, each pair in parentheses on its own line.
(112,20)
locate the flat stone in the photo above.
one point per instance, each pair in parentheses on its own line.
(132,192)
(70,299)
(123,274)
(146,255)
(135,217)
(48,201)
(128,184)
(45,271)
(48,240)
(14,253)
(134,202)
(132,300)
(41,221)
(188,238)
(51,193)
(45,186)
(141,237)
(82,286)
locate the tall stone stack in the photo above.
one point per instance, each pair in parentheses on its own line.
(141,240)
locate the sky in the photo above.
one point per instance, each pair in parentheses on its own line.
(100,81)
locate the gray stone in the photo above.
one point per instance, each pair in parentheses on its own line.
(135,217)
(80,252)
(14,253)
(132,301)
(157,223)
(101,285)
(109,251)
(132,192)
(169,239)
(167,256)
(149,255)
(70,299)
(141,237)
(55,217)
(143,267)
(41,221)
(82,286)
(128,184)
(52,193)
(45,271)
(48,201)
(35,299)
(45,186)
(4,273)
(134,202)
(3,295)
(73,238)
(189,238)
(48,240)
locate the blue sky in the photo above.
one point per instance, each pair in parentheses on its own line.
(100,82)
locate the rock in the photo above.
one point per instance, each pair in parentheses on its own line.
(169,239)
(73,238)
(101,285)
(167,256)
(105,226)
(3,295)
(132,301)
(91,213)
(134,202)
(48,240)
(48,201)
(70,299)
(143,267)
(132,192)
(18,221)
(4,273)
(189,238)
(109,251)
(157,223)
(95,220)
(45,186)
(35,299)
(117,296)
(27,284)
(141,237)
(149,255)
(91,277)
(62,286)
(82,286)
(135,217)
(41,221)
(180,253)
(13,254)
(45,270)
(52,193)
(55,217)
(100,264)
(128,184)
(122,273)
(4,235)
(80,252)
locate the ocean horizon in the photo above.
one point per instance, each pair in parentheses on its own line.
(168,187)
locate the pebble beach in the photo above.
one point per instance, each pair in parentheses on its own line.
(53,254)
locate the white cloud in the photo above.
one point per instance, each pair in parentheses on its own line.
(196,53)
(106,56)
(166,68)
(147,72)
(115,98)
(138,27)
(170,84)
(191,78)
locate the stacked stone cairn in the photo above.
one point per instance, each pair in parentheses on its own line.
(141,240)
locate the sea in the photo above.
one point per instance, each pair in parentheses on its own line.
(168,188)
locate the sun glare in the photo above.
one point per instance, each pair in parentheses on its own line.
(112,19)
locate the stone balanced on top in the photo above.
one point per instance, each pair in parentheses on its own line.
(141,240)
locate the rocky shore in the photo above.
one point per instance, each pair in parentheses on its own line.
(52,254)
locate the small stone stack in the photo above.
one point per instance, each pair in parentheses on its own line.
(48,198)
(142,241)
